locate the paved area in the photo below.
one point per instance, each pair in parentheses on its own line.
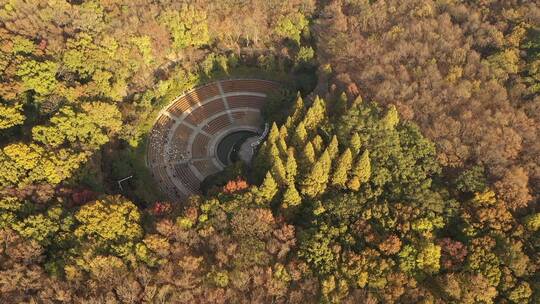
(246,150)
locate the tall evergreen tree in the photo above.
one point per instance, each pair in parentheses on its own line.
(390,119)
(273,152)
(307,157)
(283,132)
(289,124)
(291,197)
(291,167)
(298,109)
(361,172)
(282,147)
(273,135)
(333,147)
(315,115)
(314,184)
(318,144)
(278,172)
(267,190)
(341,171)
(355,144)
(299,138)
(340,106)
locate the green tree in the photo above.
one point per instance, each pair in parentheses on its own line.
(317,143)
(355,144)
(315,115)
(316,248)
(291,197)
(273,135)
(144,45)
(188,26)
(298,109)
(333,147)
(300,135)
(472,180)
(112,223)
(291,26)
(315,183)
(390,119)
(279,172)
(521,294)
(341,171)
(340,106)
(39,76)
(291,167)
(307,157)
(532,222)
(267,190)
(38,227)
(361,172)
(10,115)
(89,129)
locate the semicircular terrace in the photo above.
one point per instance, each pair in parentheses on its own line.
(184,139)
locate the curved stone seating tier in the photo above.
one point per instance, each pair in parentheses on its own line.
(246,101)
(187,177)
(200,146)
(206,167)
(182,145)
(249,85)
(192,98)
(201,113)
(221,122)
(248,118)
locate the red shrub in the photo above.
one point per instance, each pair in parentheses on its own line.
(161,208)
(235,185)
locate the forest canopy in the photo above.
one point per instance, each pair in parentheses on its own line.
(402,162)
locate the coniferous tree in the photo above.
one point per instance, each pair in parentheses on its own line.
(355,144)
(291,167)
(333,147)
(299,138)
(267,190)
(307,157)
(315,115)
(361,172)
(273,152)
(291,197)
(318,144)
(273,135)
(278,172)
(341,170)
(283,132)
(289,124)
(314,184)
(340,107)
(298,109)
(390,119)
(282,147)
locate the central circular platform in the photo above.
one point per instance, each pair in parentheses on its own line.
(197,133)
(229,146)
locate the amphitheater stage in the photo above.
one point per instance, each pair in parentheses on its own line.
(230,145)
(246,151)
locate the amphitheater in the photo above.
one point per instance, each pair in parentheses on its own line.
(191,138)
